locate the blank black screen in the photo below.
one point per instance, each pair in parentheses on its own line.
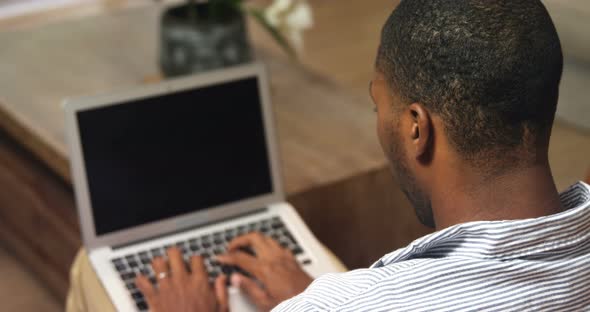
(164,156)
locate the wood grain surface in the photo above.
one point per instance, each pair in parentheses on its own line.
(37,218)
(326,134)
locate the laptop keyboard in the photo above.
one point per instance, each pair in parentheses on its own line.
(207,246)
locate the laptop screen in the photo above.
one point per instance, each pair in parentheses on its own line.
(155,158)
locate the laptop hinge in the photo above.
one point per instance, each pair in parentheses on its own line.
(257,211)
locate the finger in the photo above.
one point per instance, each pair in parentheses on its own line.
(177,265)
(273,243)
(252,290)
(147,289)
(242,260)
(221,293)
(160,266)
(198,268)
(255,240)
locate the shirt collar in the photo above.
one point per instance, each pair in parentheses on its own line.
(504,240)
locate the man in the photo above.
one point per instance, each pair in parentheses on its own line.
(465,94)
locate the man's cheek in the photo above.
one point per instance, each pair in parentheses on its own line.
(383,136)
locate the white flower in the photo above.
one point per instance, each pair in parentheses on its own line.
(275,12)
(290,17)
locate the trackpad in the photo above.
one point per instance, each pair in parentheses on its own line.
(239,302)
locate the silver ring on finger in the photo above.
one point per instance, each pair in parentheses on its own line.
(162,275)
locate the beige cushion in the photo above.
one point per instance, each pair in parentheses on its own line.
(572,20)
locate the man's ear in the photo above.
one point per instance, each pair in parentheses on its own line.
(421,131)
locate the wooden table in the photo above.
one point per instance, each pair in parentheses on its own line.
(333,168)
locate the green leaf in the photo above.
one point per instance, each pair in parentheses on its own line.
(275,33)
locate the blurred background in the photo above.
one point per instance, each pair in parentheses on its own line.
(337,51)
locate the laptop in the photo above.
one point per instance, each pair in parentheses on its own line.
(191,162)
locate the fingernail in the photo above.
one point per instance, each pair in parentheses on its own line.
(236,280)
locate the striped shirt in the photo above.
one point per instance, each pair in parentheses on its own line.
(540,264)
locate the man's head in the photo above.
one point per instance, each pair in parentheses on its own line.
(482,76)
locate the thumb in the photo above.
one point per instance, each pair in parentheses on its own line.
(252,290)
(221,294)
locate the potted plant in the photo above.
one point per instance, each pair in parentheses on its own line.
(203,35)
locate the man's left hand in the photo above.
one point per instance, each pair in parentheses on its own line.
(180,290)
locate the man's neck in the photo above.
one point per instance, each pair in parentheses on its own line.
(519,194)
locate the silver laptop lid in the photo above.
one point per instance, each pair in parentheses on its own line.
(170,156)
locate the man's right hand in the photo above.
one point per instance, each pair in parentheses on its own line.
(277,273)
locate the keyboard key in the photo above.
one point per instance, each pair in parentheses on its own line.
(156,252)
(128,275)
(290,237)
(132,264)
(146,261)
(144,254)
(277,225)
(137,295)
(194,247)
(228,270)
(130,258)
(297,250)
(120,267)
(141,305)
(253,227)
(145,271)
(131,286)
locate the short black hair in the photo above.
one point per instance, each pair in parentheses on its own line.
(489,68)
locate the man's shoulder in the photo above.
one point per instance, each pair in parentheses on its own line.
(334,290)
